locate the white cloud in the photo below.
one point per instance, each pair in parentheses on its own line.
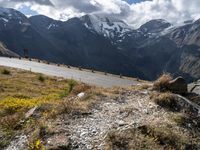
(174,11)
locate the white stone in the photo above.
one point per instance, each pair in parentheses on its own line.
(80,95)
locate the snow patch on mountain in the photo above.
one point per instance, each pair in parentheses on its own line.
(52,25)
(9,14)
(107,26)
(4,19)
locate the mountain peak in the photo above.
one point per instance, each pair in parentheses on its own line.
(105,25)
(40,17)
(10,17)
(44,22)
(4,10)
(154,26)
(10,12)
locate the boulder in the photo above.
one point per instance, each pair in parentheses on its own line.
(178,86)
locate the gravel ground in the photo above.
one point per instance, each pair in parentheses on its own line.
(132,109)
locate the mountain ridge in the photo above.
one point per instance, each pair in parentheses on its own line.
(108,44)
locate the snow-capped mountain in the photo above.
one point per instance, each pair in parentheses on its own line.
(105,43)
(12,16)
(187,34)
(107,26)
(155,26)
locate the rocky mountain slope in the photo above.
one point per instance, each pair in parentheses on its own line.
(5,52)
(106,44)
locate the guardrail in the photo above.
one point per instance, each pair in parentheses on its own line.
(68,66)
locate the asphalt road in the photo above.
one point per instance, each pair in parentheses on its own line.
(86,76)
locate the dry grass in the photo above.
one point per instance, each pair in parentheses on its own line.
(5,72)
(148,137)
(23,90)
(187,121)
(165,100)
(129,139)
(112,93)
(161,84)
(81,88)
(143,86)
(78,105)
(166,137)
(195,98)
(26,84)
(10,122)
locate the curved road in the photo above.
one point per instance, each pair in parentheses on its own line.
(86,76)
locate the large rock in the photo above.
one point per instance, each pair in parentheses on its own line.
(178,86)
(192,87)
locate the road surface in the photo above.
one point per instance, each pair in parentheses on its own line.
(86,76)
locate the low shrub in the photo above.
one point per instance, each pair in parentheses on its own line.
(81,88)
(71,85)
(36,145)
(41,78)
(164,136)
(165,100)
(161,84)
(5,72)
(9,122)
(187,121)
(12,105)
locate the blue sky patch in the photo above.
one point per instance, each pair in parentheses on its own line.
(27,11)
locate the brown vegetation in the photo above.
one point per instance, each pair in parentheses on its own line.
(165,100)
(161,84)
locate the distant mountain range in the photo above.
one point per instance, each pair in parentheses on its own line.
(106,44)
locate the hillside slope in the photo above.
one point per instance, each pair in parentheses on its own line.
(5,52)
(43,112)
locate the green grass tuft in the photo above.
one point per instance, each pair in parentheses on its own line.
(5,72)
(41,78)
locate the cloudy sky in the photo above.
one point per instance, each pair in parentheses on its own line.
(134,12)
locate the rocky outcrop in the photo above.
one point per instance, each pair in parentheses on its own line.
(5,52)
(195,87)
(178,86)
